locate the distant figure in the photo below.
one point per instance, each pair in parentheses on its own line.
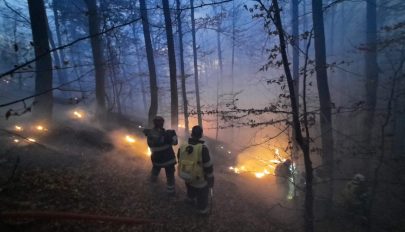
(160,142)
(283,174)
(356,195)
(196,169)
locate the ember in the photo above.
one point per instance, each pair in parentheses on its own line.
(77,114)
(40,128)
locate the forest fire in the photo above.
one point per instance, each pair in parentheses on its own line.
(258,162)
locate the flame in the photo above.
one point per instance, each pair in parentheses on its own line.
(77,114)
(259,174)
(18,128)
(16,140)
(149,152)
(130,139)
(40,128)
(181,126)
(31,140)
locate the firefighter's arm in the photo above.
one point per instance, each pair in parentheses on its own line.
(171,137)
(208,166)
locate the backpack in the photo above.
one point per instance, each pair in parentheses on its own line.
(156,138)
(190,163)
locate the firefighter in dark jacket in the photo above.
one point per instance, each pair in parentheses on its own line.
(160,142)
(196,168)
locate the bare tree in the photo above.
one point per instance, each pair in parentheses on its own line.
(151,64)
(43,62)
(183,75)
(98,55)
(172,66)
(324,96)
(371,70)
(197,89)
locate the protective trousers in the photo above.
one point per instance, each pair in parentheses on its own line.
(169,176)
(201,195)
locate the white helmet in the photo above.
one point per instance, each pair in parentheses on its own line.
(358,178)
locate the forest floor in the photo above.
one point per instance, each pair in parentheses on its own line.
(81,169)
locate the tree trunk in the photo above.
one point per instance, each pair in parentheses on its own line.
(56,57)
(183,75)
(151,64)
(43,65)
(172,66)
(295,44)
(140,76)
(371,72)
(61,72)
(219,78)
(324,98)
(98,56)
(302,142)
(197,89)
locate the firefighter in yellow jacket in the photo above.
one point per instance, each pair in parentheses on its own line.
(196,169)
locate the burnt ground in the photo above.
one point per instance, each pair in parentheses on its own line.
(78,169)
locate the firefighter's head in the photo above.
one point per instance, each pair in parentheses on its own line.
(197,132)
(158,122)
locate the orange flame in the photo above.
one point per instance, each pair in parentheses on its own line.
(77,114)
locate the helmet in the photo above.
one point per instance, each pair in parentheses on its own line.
(197,132)
(358,178)
(158,122)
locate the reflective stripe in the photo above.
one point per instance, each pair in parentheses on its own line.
(210,175)
(207,164)
(172,161)
(162,148)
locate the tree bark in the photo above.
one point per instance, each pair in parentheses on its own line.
(324,98)
(371,66)
(43,65)
(172,66)
(197,89)
(183,75)
(98,56)
(151,64)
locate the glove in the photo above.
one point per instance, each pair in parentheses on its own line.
(210,182)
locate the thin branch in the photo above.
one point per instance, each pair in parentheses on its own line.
(10,72)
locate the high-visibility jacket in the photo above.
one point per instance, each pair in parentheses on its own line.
(195,152)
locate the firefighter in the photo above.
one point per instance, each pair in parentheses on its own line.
(160,142)
(356,195)
(283,174)
(196,169)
